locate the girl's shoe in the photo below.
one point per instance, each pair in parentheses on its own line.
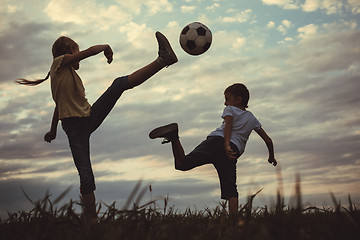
(166,53)
(169,132)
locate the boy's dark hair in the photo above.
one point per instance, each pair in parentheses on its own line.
(239,90)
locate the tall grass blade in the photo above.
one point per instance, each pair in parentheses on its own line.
(337,204)
(27,197)
(62,195)
(280,180)
(44,202)
(132,195)
(140,196)
(280,193)
(351,208)
(298,193)
(279,202)
(248,205)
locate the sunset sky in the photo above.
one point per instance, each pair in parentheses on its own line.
(300,60)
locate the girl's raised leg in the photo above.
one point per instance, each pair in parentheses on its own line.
(143,74)
(166,58)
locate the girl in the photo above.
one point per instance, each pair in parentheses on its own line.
(78,118)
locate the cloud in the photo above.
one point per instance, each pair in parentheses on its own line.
(285,25)
(243,16)
(87,13)
(156,6)
(18,53)
(213,7)
(308,31)
(310,6)
(187,9)
(239,43)
(330,6)
(12,8)
(322,46)
(355,6)
(131,6)
(137,35)
(286,4)
(149,8)
(270,25)
(286,40)
(233,39)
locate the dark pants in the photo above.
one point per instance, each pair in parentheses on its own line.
(212,151)
(79,129)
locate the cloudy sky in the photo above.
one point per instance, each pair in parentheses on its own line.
(299,58)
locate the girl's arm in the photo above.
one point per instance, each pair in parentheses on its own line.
(227,134)
(77,56)
(51,135)
(269,145)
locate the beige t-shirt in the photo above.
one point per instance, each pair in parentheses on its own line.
(68,91)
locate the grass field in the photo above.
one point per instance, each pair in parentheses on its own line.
(45,221)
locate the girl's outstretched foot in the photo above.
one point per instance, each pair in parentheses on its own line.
(169,132)
(167,56)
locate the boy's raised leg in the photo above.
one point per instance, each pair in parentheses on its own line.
(178,152)
(170,133)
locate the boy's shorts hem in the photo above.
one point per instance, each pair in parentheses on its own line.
(212,151)
(231,196)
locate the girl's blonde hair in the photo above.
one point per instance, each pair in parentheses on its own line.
(63,45)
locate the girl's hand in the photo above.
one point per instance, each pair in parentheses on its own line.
(108,54)
(230,153)
(272,161)
(49,136)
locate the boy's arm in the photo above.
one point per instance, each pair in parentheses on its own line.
(227,134)
(269,145)
(51,135)
(76,57)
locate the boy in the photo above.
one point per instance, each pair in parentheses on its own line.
(224,145)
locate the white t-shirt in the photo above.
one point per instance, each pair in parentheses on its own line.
(243,124)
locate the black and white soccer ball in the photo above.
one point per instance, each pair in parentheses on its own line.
(195,38)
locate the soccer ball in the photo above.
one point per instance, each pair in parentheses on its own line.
(195,38)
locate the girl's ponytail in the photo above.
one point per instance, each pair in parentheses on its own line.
(63,45)
(32,83)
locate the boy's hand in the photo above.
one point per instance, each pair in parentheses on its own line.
(272,161)
(49,136)
(108,54)
(230,153)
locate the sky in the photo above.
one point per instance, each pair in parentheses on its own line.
(300,60)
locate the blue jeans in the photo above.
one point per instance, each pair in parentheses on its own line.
(79,129)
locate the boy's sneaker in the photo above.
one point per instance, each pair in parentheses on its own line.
(168,132)
(166,53)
